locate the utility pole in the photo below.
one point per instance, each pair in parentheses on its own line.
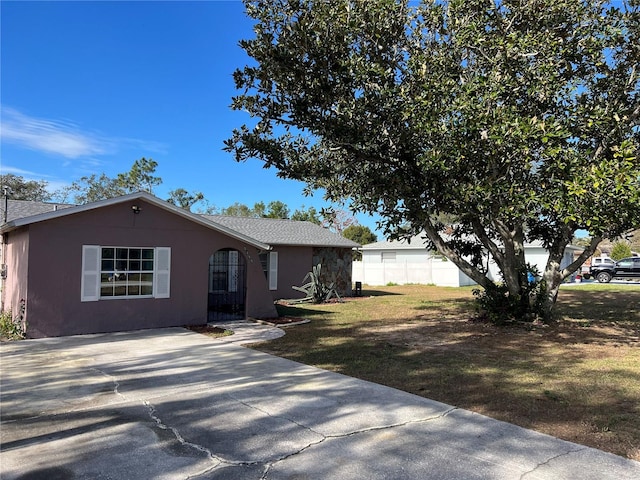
(6,202)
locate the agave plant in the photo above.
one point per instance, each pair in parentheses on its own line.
(315,289)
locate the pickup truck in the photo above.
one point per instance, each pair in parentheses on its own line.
(585,270)
(627,268)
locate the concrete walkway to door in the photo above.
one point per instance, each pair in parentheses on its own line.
(173,404)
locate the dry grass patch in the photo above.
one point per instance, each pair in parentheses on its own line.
(578,379)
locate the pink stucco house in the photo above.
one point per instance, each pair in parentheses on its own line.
(136,261)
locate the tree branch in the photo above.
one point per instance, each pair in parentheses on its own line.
(441,245)
(589,251)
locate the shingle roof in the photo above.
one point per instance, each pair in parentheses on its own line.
(274,231)
(264,231)
(48,212)
(26,208)
(415,242)
(420,242)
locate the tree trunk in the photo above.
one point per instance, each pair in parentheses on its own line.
(524,302)
(554,275)
(548,302)
(441,245)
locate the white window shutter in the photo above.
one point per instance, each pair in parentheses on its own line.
(162,273)
(273,270)
(90,280)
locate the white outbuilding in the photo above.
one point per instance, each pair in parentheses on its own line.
(411,261)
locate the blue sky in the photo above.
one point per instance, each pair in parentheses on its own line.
(90,87)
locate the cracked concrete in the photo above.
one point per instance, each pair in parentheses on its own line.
(173,404)
(548,461)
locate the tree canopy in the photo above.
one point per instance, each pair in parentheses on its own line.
(337,220)
(94,187)
(519,120)
(277,209)
(19,188)
(183,199)
(360,234)
(274,209)
(620,250)
(307,215)
(140,178)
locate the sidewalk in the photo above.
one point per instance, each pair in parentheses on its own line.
(245,331)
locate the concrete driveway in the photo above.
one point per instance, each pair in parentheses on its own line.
(172,404)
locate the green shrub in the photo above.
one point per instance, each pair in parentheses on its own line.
(620,250)
(13,328)
(496,305)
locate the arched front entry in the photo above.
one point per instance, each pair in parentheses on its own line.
(227,285)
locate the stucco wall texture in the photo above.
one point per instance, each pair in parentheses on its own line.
(52,289)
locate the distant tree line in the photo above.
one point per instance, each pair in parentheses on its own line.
(142,177)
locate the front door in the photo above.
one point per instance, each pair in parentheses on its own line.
(227,285)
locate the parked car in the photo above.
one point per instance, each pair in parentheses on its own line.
(585,270)
(627,268)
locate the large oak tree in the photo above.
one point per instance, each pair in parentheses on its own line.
(516,119)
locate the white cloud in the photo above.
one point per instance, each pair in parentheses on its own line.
(16,171)
(64,138)
(50,136)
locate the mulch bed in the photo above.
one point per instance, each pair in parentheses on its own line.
(207,329)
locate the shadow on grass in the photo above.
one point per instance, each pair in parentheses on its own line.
(378,293)
(301,310)
(506,375)
(298,311)
(577,379)
(452,304)
(600,307)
